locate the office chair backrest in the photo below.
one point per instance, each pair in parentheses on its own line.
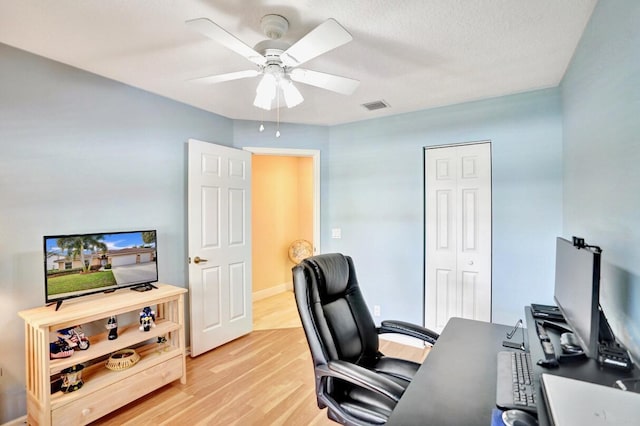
(333,312)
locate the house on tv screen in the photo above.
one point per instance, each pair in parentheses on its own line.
(109,259)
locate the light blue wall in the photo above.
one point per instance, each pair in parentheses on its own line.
(601,110)
(376,195)
(80,153)
(372,189)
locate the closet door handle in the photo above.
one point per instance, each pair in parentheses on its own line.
(198,260)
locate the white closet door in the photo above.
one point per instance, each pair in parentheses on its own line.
(458,233)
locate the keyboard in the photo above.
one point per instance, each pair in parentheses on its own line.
(515,386)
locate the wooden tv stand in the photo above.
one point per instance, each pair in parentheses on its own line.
(104,390)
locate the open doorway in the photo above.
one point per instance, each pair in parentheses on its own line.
(285,208)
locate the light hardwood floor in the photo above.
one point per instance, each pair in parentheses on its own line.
(264,378)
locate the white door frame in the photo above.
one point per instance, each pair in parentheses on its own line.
(315,155)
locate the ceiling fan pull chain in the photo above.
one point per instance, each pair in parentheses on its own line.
(277,113)
(261,128)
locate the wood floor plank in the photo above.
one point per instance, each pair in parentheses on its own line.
(263,378)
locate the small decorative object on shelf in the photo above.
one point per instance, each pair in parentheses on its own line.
(60,349)
(147,319)
(112,326)
(163,346)
(72,378)
(122,359)
(74,336)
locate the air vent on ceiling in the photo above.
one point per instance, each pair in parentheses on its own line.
(372,106)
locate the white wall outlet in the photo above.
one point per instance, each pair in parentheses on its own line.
(376,310)
(336,233)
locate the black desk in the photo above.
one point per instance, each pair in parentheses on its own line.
(456,385)
(466,352)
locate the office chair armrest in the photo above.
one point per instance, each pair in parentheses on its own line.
(364,378)
(408,329)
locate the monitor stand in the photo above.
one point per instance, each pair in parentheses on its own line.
(610,352)
(58,303)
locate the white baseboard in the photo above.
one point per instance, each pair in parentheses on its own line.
(17,422)
(272,291)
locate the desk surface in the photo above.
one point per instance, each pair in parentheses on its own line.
(456,384)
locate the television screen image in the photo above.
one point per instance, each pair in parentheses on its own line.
(81,264)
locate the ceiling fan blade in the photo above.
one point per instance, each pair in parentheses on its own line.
(215,32)
(335,83)
(323,38)
(226,77)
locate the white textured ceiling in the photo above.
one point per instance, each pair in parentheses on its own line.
(413,54)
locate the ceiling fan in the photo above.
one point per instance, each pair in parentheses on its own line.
(278,62)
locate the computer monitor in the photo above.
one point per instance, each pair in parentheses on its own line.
(577,291)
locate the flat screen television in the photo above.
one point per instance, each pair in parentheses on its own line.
(80,264)
(577,291)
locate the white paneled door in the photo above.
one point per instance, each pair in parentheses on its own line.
(458,233)
(219,211)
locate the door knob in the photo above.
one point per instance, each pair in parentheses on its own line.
(198,259)
(471,262)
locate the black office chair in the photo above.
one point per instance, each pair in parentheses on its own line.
(357,383)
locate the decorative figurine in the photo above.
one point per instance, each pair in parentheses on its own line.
(112,326)
(74,336)
(72,378)
(147,319)
(60,349)
(163,346)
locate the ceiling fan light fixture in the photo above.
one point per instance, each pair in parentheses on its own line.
(292,95)
(265,92)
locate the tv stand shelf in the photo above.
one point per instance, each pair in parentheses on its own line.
(103,390)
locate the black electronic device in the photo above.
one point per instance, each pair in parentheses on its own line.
(548,312)
(515,382)
(562,328)
(518,418)
(570,344)
(577,290)
(81,264)
(141,288)
(614,355)
(542,333)
(550,360)
(577,293)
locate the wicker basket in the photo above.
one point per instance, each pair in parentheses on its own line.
(122,359)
